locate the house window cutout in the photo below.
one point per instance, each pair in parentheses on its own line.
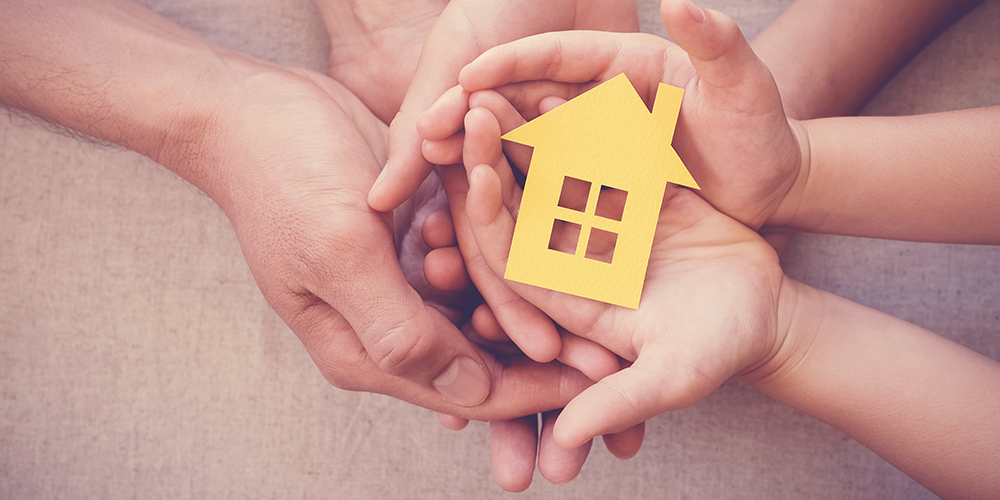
(574,194)
(565,236)
(601,245)
(611,203)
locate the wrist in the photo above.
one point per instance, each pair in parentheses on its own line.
(789,210)
(795,332)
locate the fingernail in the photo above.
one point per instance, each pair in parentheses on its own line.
(464,382)
(380,179)
(696,12)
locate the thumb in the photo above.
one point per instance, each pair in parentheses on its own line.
(441,59)
(718,51)
(401,334)
(633,395)
(406,167)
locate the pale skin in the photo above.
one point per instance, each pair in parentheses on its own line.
(925,404)
(374,51)
(294,187)
(815,77)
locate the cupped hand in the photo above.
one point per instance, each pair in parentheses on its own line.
(709,306)
(516,444)
(375,46)
(296,154)
(374,51)
(732,132)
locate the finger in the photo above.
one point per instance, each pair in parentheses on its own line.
(485,322)
(400,333)
(520,386)
(438,230)
(535,332)
(447,151)
(562,57)
(451,422)
(558,464)
(626,444)
(406,167)
(591,358)
(509,119)
(525,97)
(652,385)
(440,60)
(445,117)
(493,227)
(482,146)
(513,447)
(444,270)
(549,103)
(718,51)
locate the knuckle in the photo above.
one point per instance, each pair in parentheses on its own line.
(400,350)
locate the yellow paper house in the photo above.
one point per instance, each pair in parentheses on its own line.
(590,154)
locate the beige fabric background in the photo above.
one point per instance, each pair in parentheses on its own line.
(138,359)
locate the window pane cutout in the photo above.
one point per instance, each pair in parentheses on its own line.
(574,194)
(565,236)
(611,203)
(601,245)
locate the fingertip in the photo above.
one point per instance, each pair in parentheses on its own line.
(570,431)
(378,199)
(483,203)
(503,111)
(707,36)
(397,181)
(451,422)
(447,151)
(513,448)
(549,103)
(438,230)
(595,361)
(626,444)
(677,8)
(485,322)
(445,270)
(559,465)
(465,382)
(444,118)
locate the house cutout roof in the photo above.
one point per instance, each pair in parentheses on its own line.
(593,153)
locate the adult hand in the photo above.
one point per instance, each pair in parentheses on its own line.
(709,310)
(289,156)
(295,187)
(374,50)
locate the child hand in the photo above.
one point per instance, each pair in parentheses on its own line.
(709,308)
(732,133)
(515,444)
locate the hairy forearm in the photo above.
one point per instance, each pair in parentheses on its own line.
(829,56)
(925,404)
(931,177)
(117,72)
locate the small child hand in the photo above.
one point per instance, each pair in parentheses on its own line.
(709,307)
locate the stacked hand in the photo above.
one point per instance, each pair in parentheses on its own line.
(373,52)
(713,281)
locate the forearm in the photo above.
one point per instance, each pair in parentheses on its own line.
(829,56)
(119,73)
(923,403)
(931,177)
